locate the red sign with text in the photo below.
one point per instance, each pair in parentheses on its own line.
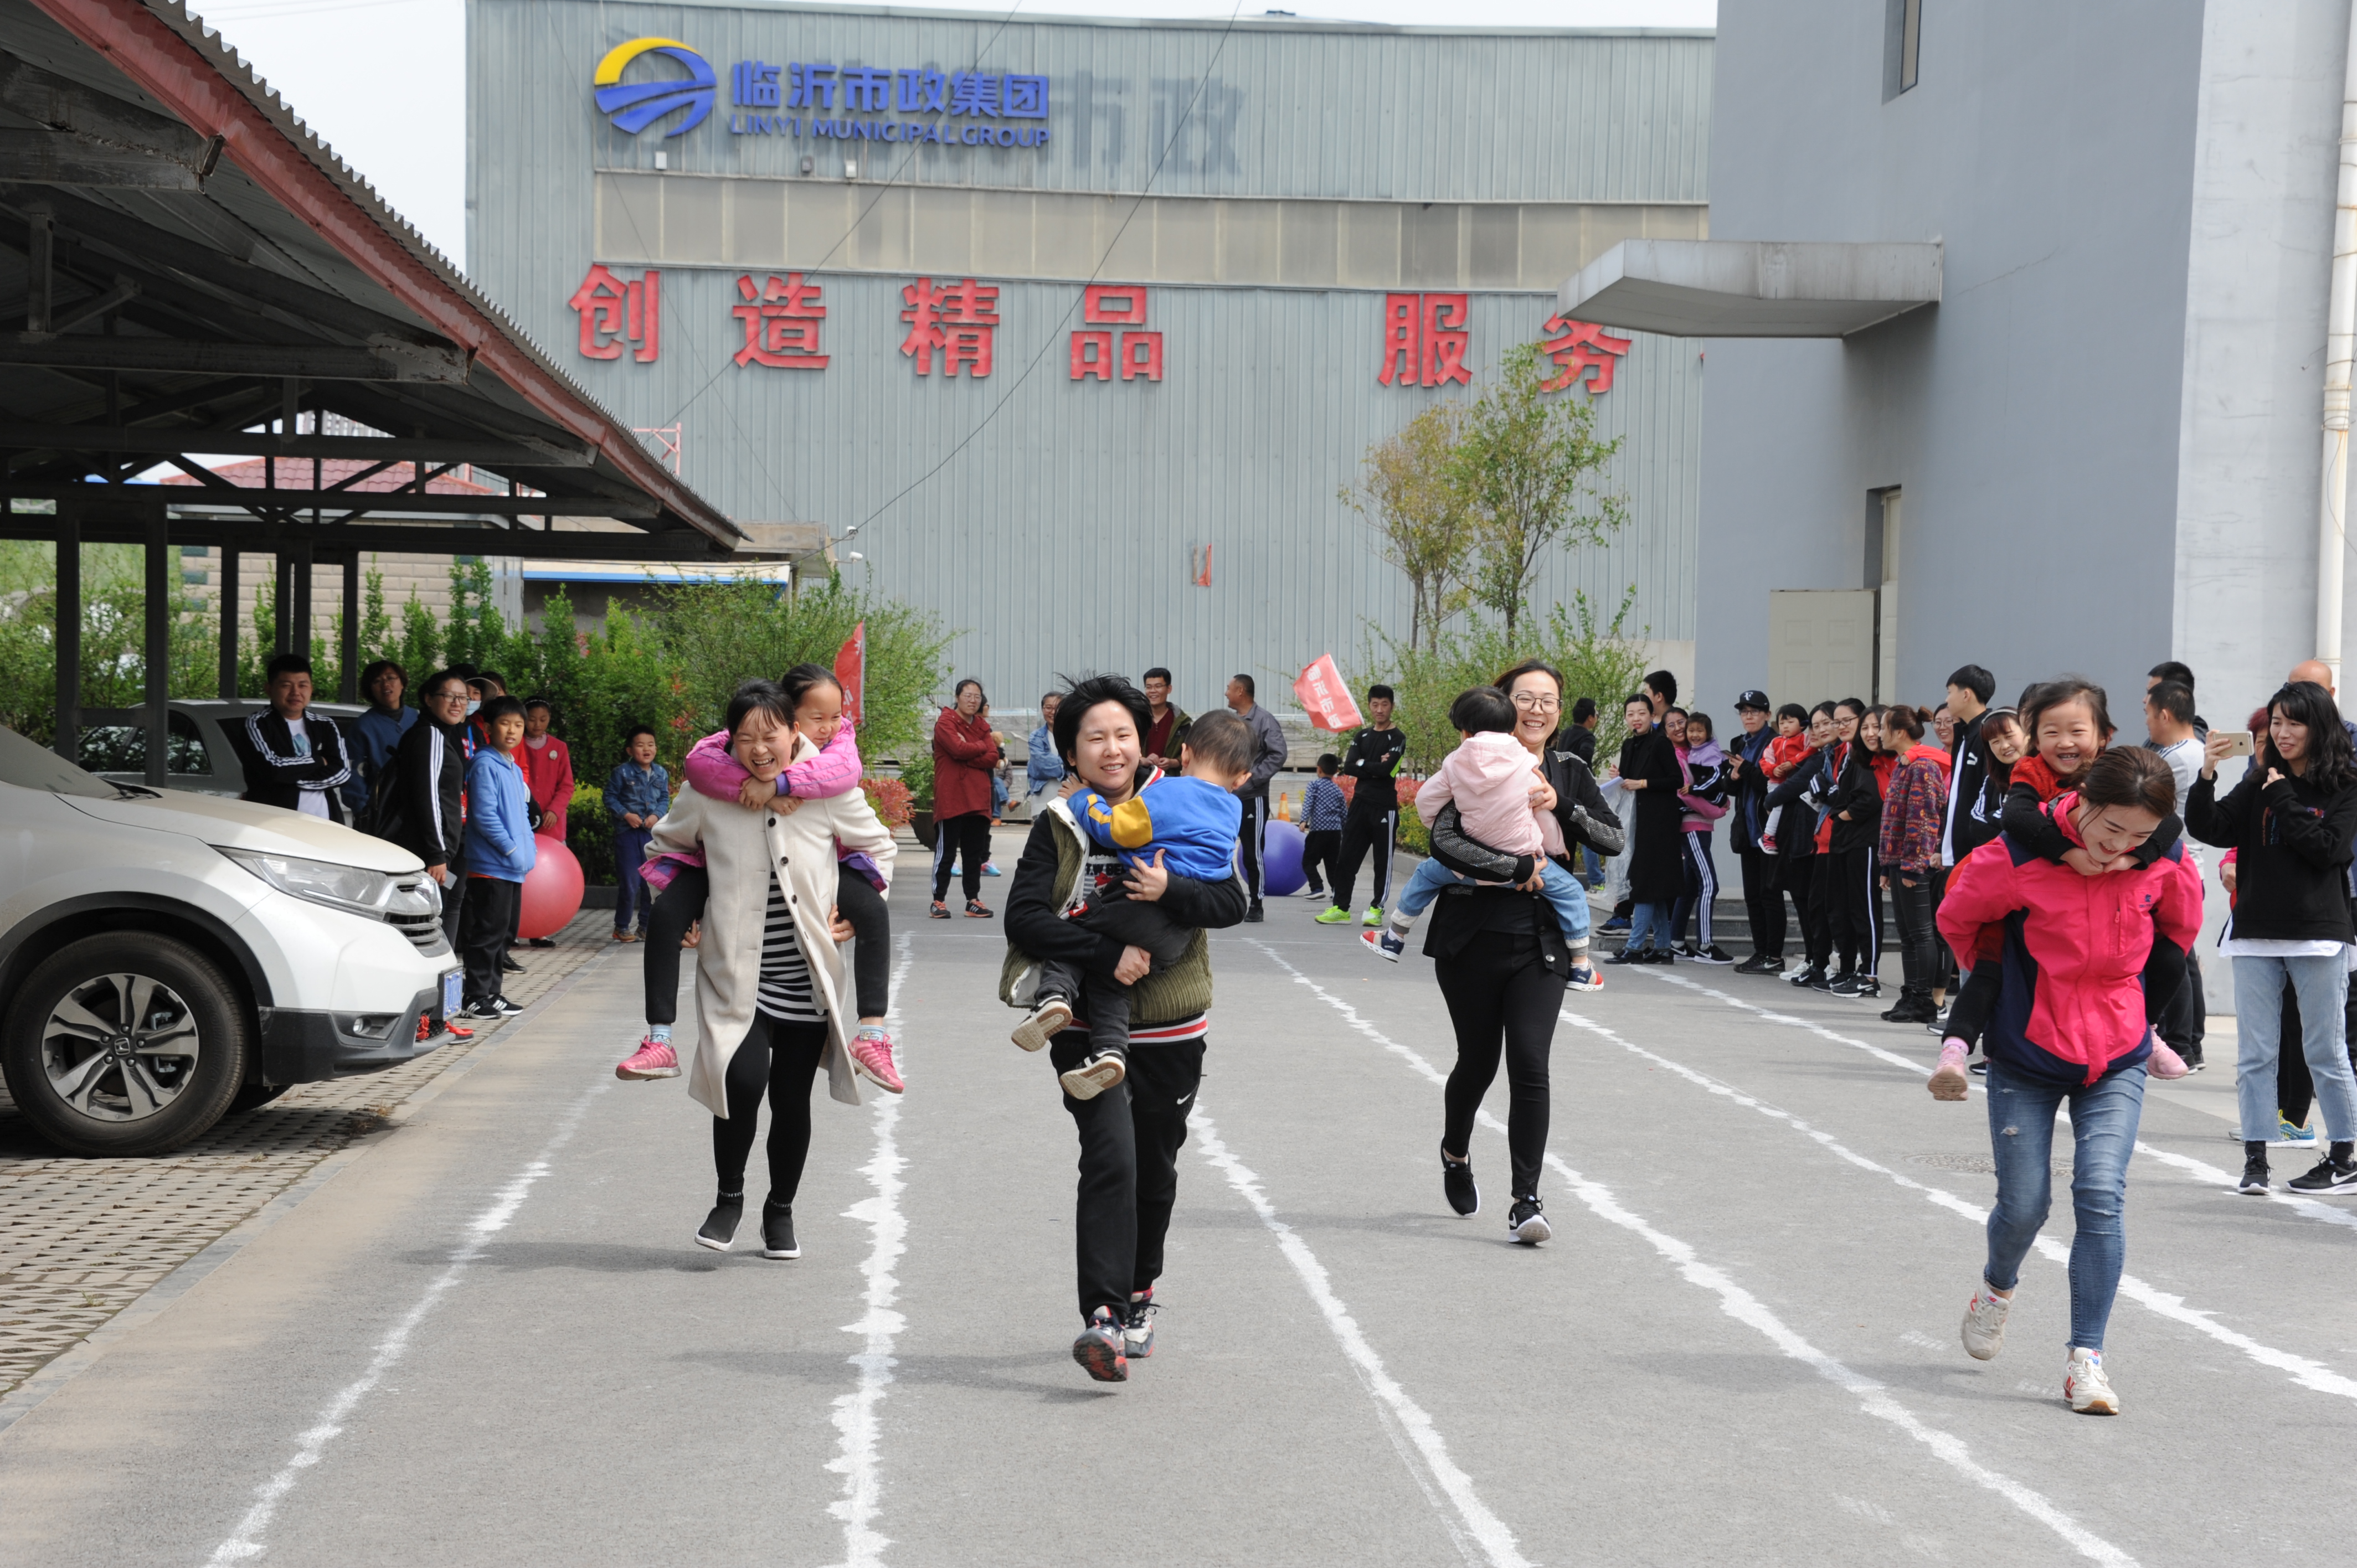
(614,312)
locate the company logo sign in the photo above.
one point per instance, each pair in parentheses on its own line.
(635,105)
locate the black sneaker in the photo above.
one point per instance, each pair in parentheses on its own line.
(1844,986)
(1712,955)
(2192,1059)
(1252,916)
(1525,1224)
(1103,1348)
(1979,1067)
(777,1232)
(1761,964)
(718,1230)
(1137,1328)
(1685,950)
(1810,979)
(1909,1010)
(1456,1182)
(1869,990)
(508,962)
(1661,955)
(2329,1176)
(2254,1174)
(1631,955)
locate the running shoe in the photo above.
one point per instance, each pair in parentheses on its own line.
(1138,1327)
(1984,1323)
(871,1057)
(1661,955)
(1333,915)
(1103,1348)
(1979,1069)
(1847,986)
(1049,1017)
(1616,924)
(1869,990)
(1583,978)
(2287,1136)
(1685,950)
(1373,916)
(1948,1080)
(1809,978)
(2330,1175)
(1094,1077)
(990,868)
(777,1232)
(976,910)
(1384,944)
(653,1058)
(1525,1224)
(2165,1064)
(1456,1184)
(508,965)
(1761,964)
(1253,913)
(1768,843)
(2254,1176)
(1940,1019)
(1712,954)
(1631,955)
(718,1230)
(940,911)
(1909,1010)
(624,937)
(2086,1386)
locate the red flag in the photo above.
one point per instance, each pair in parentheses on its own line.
(851,671)
(1324,697)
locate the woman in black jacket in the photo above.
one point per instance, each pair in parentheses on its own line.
(1799,802)
(1657,849)
(2290,821)
(1498,954)
(1854,807)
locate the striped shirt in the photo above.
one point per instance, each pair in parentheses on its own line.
(784,991)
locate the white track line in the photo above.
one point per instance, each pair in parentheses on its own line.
(2196,1170)
(2307,1373)
(1872,1398)
(1419,1443)
(858,1414)
(312,1446)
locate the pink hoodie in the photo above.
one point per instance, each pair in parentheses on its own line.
(1490,777)
(712,771)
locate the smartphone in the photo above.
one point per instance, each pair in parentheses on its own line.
(2238,743)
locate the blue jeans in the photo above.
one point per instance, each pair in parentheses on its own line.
(1649,926)
(2321,985)
(630,885)
(1563,891)
(1593,864)
(2104,1117)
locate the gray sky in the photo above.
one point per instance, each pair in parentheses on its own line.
(381,79)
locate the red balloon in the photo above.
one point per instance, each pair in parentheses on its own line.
(552,890)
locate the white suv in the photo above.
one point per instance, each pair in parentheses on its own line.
(166,958)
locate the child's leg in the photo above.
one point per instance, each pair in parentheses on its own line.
(1975,1001)
(482,937)
(871,951)
(630,885)
(1107,1006)
(1768,823)
(1134,923)
(679,905)
(1422,888)
(1569,901)
(1707,869)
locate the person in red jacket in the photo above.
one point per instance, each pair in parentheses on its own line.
(966,758)
(2088,964)
(1914,809)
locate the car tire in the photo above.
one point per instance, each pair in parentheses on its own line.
(151,1098)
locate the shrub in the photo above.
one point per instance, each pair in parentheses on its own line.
(892,801)
(589,834)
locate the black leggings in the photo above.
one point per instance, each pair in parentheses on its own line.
(783,1057)
(1856,909)
(965,837)
(682,905)
(1501,1001)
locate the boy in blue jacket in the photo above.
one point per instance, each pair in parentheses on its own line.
(498,856)
(1186,825)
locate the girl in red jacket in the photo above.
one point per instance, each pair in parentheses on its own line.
(2088,964)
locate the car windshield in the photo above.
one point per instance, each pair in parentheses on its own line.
(31,766)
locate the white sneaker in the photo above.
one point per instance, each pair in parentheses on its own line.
(1048,1019)
(1094,1076)
(2085,1385)
(1984,1323)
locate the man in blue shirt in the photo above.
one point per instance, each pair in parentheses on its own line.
(1043,771)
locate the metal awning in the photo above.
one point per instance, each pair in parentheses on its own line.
(1752,288)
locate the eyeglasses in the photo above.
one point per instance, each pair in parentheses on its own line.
(1532,702)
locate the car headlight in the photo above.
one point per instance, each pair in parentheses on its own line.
(349,888)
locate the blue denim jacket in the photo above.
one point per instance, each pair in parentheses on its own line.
(630,788)
(1043,767)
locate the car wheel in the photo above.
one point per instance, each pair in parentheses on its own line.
(125,1044)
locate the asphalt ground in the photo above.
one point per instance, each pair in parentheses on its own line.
(491,1341)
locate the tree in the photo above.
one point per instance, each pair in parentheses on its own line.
(1406,490)
(1523,464)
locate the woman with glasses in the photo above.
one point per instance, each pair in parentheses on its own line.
(1502,960)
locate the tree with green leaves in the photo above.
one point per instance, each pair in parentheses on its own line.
(1531,473)
(1408,490)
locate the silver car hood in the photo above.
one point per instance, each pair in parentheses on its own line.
(241,824)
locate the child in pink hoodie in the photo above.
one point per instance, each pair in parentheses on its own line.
(1490,779)
(680,882)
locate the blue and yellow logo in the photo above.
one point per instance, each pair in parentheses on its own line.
(636,105)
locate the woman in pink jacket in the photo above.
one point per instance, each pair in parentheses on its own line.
(2090,964)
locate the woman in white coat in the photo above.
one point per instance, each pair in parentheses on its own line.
(771,992)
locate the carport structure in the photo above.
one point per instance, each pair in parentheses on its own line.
(193,263)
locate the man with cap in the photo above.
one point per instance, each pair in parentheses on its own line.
(1747,773)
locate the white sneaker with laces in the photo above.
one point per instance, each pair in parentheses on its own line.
(2086,1386)
(1047,1020)
(1984,1323)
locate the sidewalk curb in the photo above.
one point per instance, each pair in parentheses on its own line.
(28,1395)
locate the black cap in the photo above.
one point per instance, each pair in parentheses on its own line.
(1753,700)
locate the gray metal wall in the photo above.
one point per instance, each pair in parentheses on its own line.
(1060,535)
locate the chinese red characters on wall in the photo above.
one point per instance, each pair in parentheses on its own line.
(1425,337)
(958,321)
(782,320)
(1094,354)
(1583,353)
(614,314)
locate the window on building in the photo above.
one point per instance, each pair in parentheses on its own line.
(1902,37)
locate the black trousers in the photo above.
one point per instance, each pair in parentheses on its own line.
(681,905)
(483,928)
(783,1059)
(968,837)
(1945,976)
(1321,855)
(1364,832)
(1130,1138)
(2186,1020)
(1854,906)
(1919,938)
(454,901)
(1503,1002)
(1805,878)
(1763,903)
(1249,832)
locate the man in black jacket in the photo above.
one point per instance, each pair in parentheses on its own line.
(424,807)
(1373,820)
(1969,690)
(295,760)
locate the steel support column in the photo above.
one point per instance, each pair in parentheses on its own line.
(226,603)
(159,646)
(299,641)
(68,636)
(348,657)
(283,600)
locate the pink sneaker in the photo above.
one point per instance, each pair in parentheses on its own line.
(2166,1063)
(871,1055)
(655,1058)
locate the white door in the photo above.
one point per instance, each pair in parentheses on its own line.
(1820,644)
